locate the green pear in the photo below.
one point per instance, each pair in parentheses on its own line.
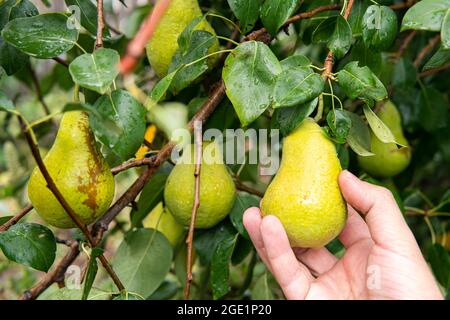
(305,194)
(164,42)
(217,190)
(162,220)
(389,160)
(79,171)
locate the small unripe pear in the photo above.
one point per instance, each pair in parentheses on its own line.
(389,160)
(217,190)
(305,194)
(162,220)
(79,171)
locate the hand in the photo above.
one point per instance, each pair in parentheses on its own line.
(382,259)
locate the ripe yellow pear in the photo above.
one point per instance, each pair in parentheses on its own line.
(305,194)
(217,190)
(389,160)
(162,220)
(164,43)
(79,171)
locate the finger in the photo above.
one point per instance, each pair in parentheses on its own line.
(382,215)
(252,222)
(293,277)
(355,229)
(318,260)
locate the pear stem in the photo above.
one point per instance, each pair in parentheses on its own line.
(190,238)
(16,218)
(54,189)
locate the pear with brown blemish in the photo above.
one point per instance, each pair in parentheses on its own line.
(79,171)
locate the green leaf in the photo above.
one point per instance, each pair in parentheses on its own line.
(206,241)
(274,13)
(360,82)
(297,60)
(43,36)
(242,203)
(30,244)
(200,43)
(379,27)
(355,19)
(13,9)
(95,71)
(166,291)
(340,124)
(359,136)
(426,15)
(160,89)
(433,109)
(288,119)
(4,219)
(249,75)
(262,290)
(129,115)
(143,260)
(445,31)
(5,103)
(440,263)
(91,272)
(247,12)
(440,58)
(87,12)
(381,131)
(150,196)
(296,86)
(367,57)
(65,294)
(220,267)
(340,41)
(405,73)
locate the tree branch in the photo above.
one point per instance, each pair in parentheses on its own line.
(100,25)
(426,50)
(16,218)
(434,71)
(37,86)
(198,155)
(405,44)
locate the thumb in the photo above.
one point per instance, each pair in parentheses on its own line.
(386,224)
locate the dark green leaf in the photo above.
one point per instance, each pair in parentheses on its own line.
(440,263)
(433,109)
(359,136)
(404,74)
(340,124)
(166,291)
(242,203)
(274,13)
(30,244)
(426,15)
(4,219)
(379,27)
(220,265)
(43,36)
(340,40)
(86,11)
(91,272)
(247,11)
(241,250)
(200,43)
(367,57)
(143,260)
(296,86)
(206,241)
(13,9)
(355,20)
(249,74)
(129,115)
(95,71)
(343,155)
(440,58)
(160,89)
(297,60)
(360,82)
(150,196)
(288,119)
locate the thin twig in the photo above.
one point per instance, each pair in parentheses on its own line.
(426,50)
(8,224)
(405,44)
(61,61)
(54,189)
(434,70)
(243,187)
(100,24)
(198,155)
(37,86)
